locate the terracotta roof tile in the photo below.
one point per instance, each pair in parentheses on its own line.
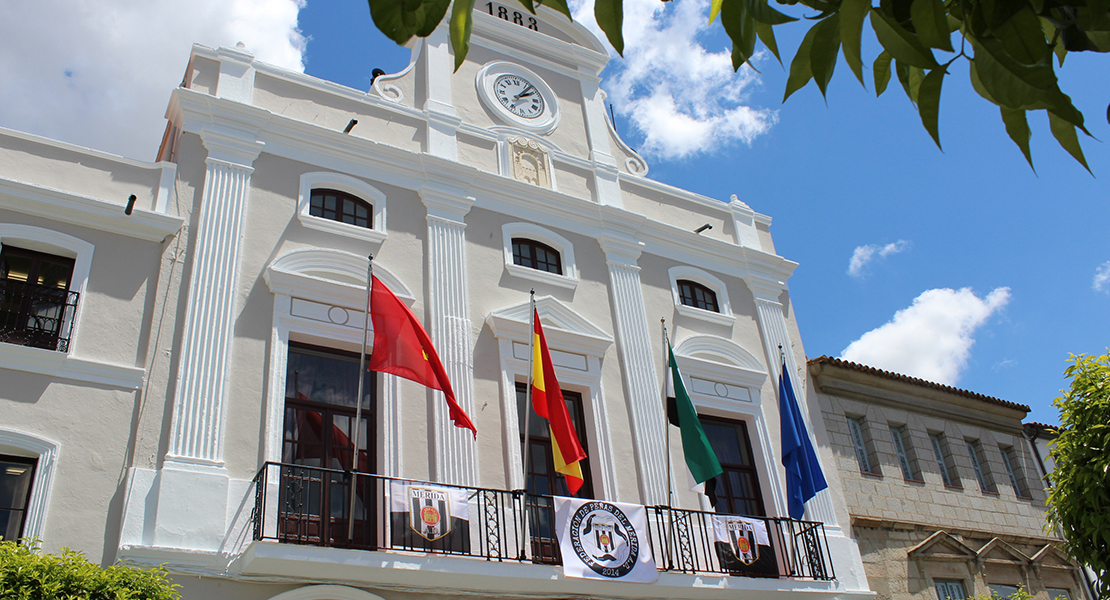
(836,362)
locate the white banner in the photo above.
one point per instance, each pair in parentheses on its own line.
(604,540)
(744,536)
(431,512)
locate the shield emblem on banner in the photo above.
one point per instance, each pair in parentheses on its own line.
(741,537)
(429,512)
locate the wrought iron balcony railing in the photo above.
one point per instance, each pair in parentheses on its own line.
(35,315)
(296,504)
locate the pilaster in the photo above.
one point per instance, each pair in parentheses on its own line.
(194,464)
(641,385)
(772,327)
(443,121)
(606,172)
(448,307)
(236,82)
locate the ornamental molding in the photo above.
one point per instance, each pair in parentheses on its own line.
(563,327)
(21,443)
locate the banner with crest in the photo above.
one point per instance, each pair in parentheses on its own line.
(429,517)
(743,545)
(604,540)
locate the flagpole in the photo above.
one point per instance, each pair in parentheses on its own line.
(666,420)
(528,414)
(358,400)
(667,372)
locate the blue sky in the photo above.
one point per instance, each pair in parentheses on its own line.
(856,176)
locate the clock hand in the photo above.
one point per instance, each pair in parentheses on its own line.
(528,91)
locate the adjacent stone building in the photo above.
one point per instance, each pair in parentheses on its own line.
(943,489)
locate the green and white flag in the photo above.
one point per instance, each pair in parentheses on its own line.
(700,458)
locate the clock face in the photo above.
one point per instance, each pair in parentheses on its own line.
(518,96)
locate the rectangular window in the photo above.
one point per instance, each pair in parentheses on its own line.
(898,437)
(1009,458)
(321,388)
(35,301)
(543,481)
(944,459)
(16,475)
(737,489)
(950,589)
(999,590)
(975,451)
(1059,594)
(855,428)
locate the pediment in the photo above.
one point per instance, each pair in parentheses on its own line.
(998,550)
(941,546)
(329,275)
(718,349)
(1052,557)
(563,327)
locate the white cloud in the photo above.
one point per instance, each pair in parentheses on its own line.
(100,73)
(932,338)
(865,254)
(1102,278)
(682,98)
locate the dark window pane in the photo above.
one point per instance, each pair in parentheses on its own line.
(697,295)
(16,475)
(535,255)
(341,207)
(738,489)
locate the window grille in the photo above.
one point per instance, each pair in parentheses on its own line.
(897,436)
(855,428)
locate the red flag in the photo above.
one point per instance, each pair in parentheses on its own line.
(547,401)
(403,348)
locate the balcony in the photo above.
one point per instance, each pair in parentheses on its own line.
(35,315)
(309,506)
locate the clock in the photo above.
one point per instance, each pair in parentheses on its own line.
(518,97)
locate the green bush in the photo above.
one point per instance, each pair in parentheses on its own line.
(28,574)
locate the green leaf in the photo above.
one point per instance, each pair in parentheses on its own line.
(560,6)
(529,5)
(766,35)
(610,18)
(1008,83)
(881,68)
(902,45)
(462,20)
(928,102)
(852,14)
(740,27)
(1018,129)
(399,21)
(825,49)
(762,12)
(1022,37)
(913,80)
(1064,132)
(800,70)
(930,21)
(714,10)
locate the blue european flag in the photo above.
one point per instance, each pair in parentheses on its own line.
(803,472)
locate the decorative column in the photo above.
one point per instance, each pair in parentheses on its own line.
(641,385)
(443,120)
(193,474)
(772,326)
(448,309)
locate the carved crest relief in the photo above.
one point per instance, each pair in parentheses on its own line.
(528,162)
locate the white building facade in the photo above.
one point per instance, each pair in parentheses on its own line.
(231,392)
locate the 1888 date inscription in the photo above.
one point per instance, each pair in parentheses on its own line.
(515,16)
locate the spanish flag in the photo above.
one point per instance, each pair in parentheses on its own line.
(547,401)
(403,348)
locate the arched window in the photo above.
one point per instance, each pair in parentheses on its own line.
(536,255)
(342,207)
(697,295)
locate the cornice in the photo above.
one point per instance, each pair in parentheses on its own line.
(58,364)
(543,50)
(86,211)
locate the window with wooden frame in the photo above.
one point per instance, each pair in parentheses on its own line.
(697,295)
(321,388)
(542,480)
(949,589)
(342,207)
(1009,459)
(737,489)
(16,476)
(536,255)
(982,474)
